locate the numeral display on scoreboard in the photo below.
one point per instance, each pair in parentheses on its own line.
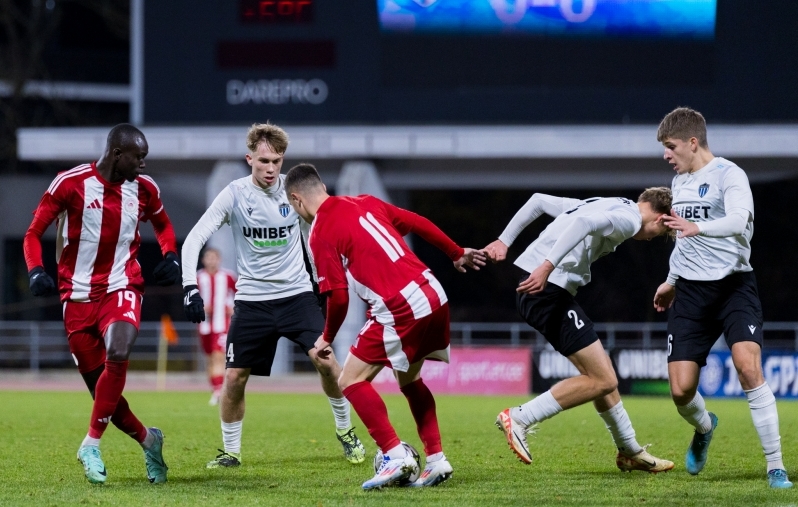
(276,11)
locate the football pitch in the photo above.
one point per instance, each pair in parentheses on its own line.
(291,456)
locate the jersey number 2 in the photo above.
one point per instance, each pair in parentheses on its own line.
(577,322)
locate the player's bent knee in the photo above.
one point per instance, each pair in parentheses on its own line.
(607,386)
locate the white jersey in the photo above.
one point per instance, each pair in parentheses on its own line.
(712,193)
(268,236)
(581,233)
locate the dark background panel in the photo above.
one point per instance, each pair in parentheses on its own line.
(744,75)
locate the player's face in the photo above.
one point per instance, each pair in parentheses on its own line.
(653,225)
(211,260)
(680,154)
(266,164)
(129,162)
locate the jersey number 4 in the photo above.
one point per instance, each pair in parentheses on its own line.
(381,235)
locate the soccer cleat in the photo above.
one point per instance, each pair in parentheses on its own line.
(225,460)
(93,466)
(353,448)
(778,479)
(642,461)
(392,471)
(434,473)
(214,399)
(696,456)
(516,436)
(153,458)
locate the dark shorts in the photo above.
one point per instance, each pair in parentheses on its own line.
(256,327)
(555,314)
(703,310)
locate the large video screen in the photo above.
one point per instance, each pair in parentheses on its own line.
(692,19)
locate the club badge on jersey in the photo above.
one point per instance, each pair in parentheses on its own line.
(703,189)
(285,209)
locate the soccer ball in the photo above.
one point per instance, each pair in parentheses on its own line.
(411,451)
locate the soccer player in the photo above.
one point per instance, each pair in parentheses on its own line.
(99,207)
(556,265)
(274,294)
(408,319)
(216,288)
(711,288)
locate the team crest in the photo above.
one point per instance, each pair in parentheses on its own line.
(284,210)
(703,189)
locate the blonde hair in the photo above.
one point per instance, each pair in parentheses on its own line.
(683,123)
(275,137)
(661,200)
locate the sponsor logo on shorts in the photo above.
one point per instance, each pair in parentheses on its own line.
(752,329)
(130,315)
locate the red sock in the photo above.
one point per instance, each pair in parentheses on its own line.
(216,382)
(422,405)
(106,396)
(125,420)
(374,414)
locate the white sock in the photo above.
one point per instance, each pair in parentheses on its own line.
(435,457)
(397,452)
(340,408)
(91,441)
(766,421)
(537,410)
(617,421)
(231,435)
(696,414)
(148,440)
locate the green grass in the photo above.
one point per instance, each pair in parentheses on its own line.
(291,456)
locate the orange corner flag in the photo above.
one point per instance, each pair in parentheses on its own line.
(168,331)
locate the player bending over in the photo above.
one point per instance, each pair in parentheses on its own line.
(99,207)
(408,319)
(558,263)
(714,287)
(274,295)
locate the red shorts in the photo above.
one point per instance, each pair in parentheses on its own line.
(407,342)
(86,324)
(214,342)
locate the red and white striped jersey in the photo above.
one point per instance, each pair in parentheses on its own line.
(217,291)
(363,237)
(99,231)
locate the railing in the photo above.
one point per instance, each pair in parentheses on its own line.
(35,345)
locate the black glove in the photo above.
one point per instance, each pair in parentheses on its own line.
(167,272)
(193,304)
(40,282)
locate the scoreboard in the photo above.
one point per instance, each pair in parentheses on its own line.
(466,62)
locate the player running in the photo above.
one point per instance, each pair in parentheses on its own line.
(217,286)
(274,295)
(711,287)
(408,319)
(558,263)
(99,207)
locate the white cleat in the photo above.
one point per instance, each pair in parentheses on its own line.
(434,473)
(516,436)
(392,471)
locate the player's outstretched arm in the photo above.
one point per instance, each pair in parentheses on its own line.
(337,308)
(474,259)
(215,216)
(537,205)
(496,251)
(663,298)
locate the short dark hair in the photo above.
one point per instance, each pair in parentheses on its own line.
(303,178)
(683,123)
(123,136)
